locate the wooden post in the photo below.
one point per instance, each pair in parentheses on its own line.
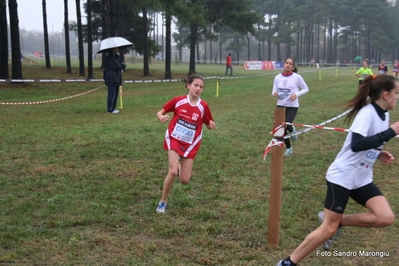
(276,183)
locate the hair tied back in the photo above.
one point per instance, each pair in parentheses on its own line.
(373,77)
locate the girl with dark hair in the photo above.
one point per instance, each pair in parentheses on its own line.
(184,134)
(288,86)
(351,173)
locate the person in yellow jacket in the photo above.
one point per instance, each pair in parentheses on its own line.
(363,72)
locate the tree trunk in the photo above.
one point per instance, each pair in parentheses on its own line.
(237,52)
(335,43)
(330,43)
(248,47)
(259,45)
(269,40)
(3,42)
(299,43)
(269,49)
(198,52)
(80,40)
(89,42)
(67,44)
(205,57)
(220,49)
(104,26)
(112,15)
(307,41)
(193,42)
(168,44)
(324,42)
(146,55)
(263,50)
(210,51)
(278,52)
(318,44)
(15,42)
(45,31)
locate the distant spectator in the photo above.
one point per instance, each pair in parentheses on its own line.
(229,62)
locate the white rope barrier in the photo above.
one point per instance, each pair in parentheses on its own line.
(51,101)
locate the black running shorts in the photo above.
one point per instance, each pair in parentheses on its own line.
(337,196)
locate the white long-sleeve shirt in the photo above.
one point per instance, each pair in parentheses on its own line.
(286,85)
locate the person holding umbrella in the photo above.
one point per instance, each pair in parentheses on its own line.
(114,66)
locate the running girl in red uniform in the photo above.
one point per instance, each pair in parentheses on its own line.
(184,134)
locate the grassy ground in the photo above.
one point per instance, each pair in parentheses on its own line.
(79,186)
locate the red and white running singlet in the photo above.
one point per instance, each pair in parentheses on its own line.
(184,133)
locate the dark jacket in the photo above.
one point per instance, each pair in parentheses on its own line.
(113,70)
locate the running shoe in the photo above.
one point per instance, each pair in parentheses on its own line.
(288,152)
(161,207)
(283,263)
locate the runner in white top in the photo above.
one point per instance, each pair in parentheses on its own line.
(359,165)
(351,173)
(288,86)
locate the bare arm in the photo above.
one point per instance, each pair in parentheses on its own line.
(161,116)
(212,125)
(386,158)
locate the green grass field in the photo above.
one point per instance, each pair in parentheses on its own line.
(79,186)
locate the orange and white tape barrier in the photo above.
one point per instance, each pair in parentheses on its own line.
(275,142)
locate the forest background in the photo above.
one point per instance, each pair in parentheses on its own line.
(206,31)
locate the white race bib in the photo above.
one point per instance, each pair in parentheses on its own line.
(283,94)
(184,131)
(369,158)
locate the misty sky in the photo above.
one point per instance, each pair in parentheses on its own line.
(31,17)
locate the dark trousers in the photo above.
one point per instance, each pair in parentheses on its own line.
(231,70)
(113,92)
